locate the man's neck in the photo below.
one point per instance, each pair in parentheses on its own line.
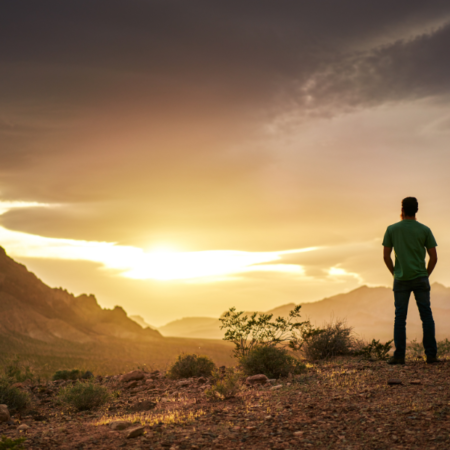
(409,218)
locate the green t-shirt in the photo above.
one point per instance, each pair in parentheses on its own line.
(409,239)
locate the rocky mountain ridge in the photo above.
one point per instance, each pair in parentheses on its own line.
(31,308)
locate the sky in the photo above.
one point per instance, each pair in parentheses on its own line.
(180,158)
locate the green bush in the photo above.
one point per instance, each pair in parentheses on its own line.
(272,361)
(336,339)
(187,366)
(11,444)
(375,350)
(261,330)
(224,385)
(14,398)
(74,374)
(84,396)
(415,349)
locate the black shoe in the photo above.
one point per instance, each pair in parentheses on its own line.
(394,360)
(433,360)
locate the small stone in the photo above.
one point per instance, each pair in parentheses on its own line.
(275,388)
(118,425)
(132,376)
(257,379)
(23,427)
(415,382)
(201,380)
(298,433)
(183,383)
(149,381)
(131,385)
(143,406)
(4,413)
(393,381)
(135,432)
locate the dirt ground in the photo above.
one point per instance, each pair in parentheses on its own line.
(345,404)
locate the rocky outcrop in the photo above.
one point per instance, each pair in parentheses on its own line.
(31,308)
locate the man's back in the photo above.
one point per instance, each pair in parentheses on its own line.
(410,239)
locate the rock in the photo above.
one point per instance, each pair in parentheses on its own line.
(131,385)
(201,380)
(135,432)
(145,405)
(133,375)
(257,379)
(86,375)
(183,383)
(23,427)
(19,385)
(393,381)
(275,388)
(149,381)
(415,382)
(118,425)
(298,433)
(4,413)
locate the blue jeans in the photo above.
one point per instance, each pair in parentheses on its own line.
(402,291)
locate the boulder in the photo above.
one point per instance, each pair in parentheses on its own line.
(257,379)
(132,376)
(144,405)
(4,413)
(131,385)
(118,425)
(135,432)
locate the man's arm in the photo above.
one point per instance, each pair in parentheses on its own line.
(387,259)
(432,261)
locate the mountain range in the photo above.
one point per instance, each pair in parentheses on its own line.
(369,310)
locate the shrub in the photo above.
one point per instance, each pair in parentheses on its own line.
(272,361)
(74,374)
(335,339)
(11,444)
(224,385)
(375,350)
(259,330)
(187,366)
(443,348)
(14,398)
(18,371)
(415,349)
(84,396)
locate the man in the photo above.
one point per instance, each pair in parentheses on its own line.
(409,239)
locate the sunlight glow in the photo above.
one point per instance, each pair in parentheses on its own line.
(161,263)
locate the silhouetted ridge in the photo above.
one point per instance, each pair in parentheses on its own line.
(32,308)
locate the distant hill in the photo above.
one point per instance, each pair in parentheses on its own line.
(141,322)
(370,310)
(31,308)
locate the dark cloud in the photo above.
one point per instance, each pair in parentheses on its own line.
(144,117)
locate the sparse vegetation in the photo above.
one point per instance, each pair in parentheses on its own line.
(375,350)
(335,339)
(17,371)
(11,444)
(272,361)
(259,330)
(14,398)
(84,396)
(224,385)
(415,349)
(187,366)
(74,374)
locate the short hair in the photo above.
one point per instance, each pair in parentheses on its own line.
(410,206)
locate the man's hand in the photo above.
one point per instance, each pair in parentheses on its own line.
(432,261)
(387,259)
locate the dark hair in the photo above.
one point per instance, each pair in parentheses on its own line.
(410,206)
